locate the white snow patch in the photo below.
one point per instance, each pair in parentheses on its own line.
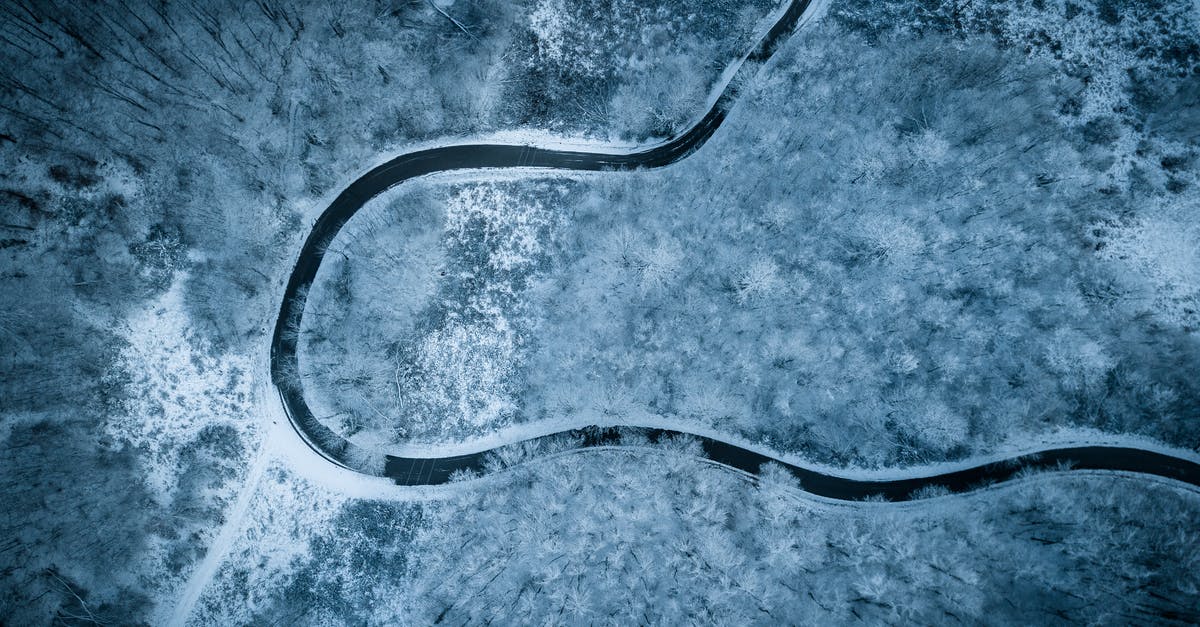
(179,386)
(511,227)
(549,23)
(1161,248)
(467,368)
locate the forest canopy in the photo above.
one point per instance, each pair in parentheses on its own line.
(871,262)
(157,163)
(927,228)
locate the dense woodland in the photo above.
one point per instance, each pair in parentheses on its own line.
(872,262)
(158,161)
(617,539)
(659,537)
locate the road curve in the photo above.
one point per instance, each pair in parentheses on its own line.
(434,471)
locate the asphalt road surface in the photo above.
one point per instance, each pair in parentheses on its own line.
(438,470)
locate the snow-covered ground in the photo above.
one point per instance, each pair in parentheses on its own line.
(181,385)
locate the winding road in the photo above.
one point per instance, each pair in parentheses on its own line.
(438,470)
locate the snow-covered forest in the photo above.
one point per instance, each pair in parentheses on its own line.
(158,163)
(870,263)
(927,228)
(626,537)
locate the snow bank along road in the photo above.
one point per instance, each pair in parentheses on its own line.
(438,470)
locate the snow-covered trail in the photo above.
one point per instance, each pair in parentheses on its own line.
(225,538)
